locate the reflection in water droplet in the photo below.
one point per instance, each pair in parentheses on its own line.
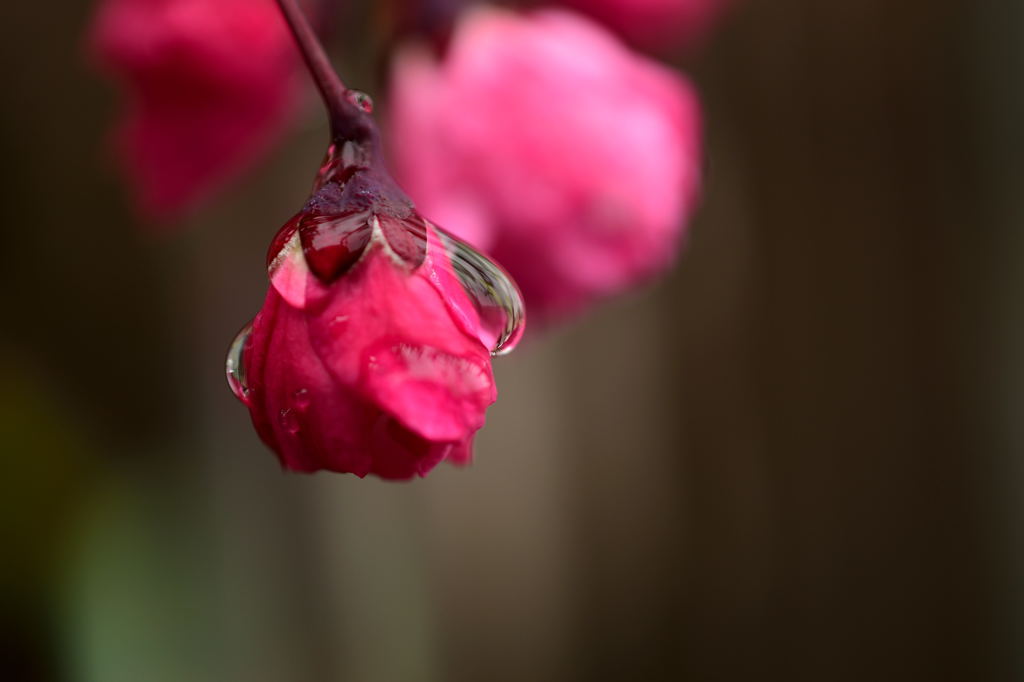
(301,398)
(361,100)
(494,294)
(332,244)
(321,249)
(235,365)
(289,420)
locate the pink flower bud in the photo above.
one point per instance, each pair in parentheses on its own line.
(209,86)
(544,141)
(371,354)
(656,24)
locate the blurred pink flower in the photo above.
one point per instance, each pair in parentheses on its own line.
(209,86)
(656,24)
(544,141)
(369,356)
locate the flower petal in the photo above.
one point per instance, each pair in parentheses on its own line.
(389,334)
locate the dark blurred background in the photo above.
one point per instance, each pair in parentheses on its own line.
(795,458)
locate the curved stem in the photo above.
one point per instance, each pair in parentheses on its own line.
(332,90)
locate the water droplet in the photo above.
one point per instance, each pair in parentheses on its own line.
(289,420)
(301,398)
(331,245)
(493,292)
(321,249)
(338,324)
(235,365)
(361,100)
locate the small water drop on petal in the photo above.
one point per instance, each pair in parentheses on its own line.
(301,398)
(235,364)
(361,100)
(289,420)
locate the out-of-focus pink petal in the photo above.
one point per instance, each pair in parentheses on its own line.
(572,159)
(209,86)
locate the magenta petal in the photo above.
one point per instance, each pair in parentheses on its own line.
(440,396)
(377,378)
(400,349)
(312,422)
(461,454)
(297,407)
(408,454)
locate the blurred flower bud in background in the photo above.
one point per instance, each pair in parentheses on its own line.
(209,87)
(544,141)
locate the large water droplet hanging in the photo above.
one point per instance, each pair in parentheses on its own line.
(493,292)
(235,365)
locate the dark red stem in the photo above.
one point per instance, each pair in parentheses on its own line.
(347,119)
